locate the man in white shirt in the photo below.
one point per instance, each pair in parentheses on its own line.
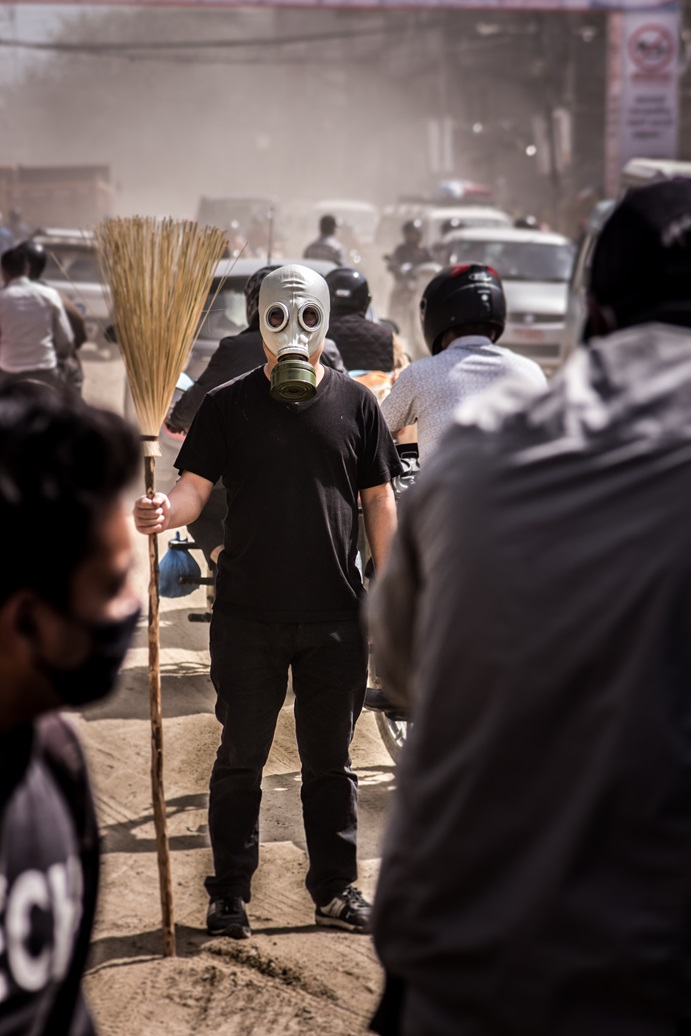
(463,312)
(34,329)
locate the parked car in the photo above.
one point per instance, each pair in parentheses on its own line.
(72,268)
(535,267)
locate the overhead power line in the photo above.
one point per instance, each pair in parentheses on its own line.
(182,45)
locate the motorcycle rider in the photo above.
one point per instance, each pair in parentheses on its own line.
(463,311)
(411,251)
(70,366)
(363,344)
(34,330)
(326,246)
(404,264)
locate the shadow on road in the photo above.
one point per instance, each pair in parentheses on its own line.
(281,816)
(116,951)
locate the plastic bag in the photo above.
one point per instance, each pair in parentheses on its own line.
(177,562)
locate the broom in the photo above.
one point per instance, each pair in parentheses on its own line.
(159,273)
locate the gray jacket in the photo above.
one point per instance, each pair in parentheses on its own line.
(536,876)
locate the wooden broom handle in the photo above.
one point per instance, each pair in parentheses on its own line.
(158,794)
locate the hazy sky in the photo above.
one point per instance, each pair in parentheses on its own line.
(34,22)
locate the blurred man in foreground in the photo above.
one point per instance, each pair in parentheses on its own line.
(67,613)
(536,610)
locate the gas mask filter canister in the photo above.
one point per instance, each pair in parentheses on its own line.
(293,319)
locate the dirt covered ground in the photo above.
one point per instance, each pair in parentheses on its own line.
(291,977)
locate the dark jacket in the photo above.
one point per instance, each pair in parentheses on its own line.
(363,344)
(326,247)
(536,608)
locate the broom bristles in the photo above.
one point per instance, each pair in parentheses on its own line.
(159,273)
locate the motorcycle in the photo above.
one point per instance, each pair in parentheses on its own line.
(393,721)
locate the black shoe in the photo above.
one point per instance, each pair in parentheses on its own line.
(228,916)
(350,910)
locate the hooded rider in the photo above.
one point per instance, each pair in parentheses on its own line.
(294,443)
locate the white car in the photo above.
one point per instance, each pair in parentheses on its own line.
(534,267)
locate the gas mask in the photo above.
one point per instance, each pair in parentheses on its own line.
(293,320)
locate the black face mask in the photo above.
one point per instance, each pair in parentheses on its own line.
(95,677)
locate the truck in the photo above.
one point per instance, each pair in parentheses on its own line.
(57,196)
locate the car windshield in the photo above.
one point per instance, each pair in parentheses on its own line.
(224,312)
(84,269)
(517,260)
(66,264)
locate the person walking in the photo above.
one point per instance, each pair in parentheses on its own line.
(288,591)
(34,330)
(535,612)
(67,613)
(463,312)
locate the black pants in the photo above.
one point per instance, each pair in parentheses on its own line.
(249,669)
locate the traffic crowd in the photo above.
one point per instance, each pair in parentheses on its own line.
(531,611)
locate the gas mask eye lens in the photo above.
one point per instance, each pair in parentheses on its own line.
(276,318)
(310,318)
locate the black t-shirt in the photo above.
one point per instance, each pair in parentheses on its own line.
(292,472)
(236,355)
(48,878)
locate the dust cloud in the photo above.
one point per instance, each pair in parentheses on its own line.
(302,104)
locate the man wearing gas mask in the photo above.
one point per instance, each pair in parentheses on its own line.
(295,443)
(67,614)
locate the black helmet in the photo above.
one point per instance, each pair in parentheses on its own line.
(412,226)
(527,223)
(651,221)
(252,287)
(35,256)
(349,291)
(461,295)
